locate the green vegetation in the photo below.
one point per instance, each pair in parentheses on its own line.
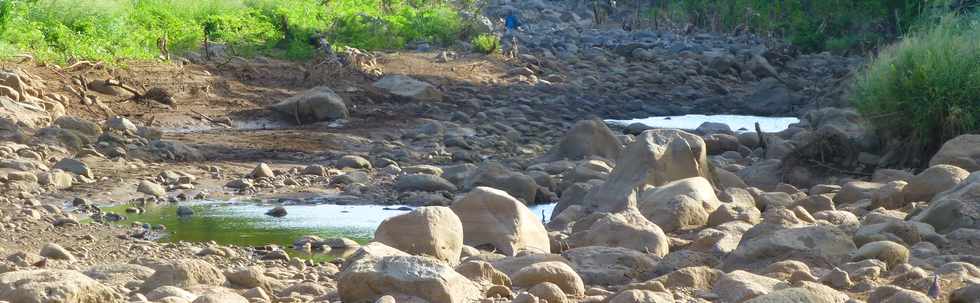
(925,89)
(486,43)
(813,25)
(65,30)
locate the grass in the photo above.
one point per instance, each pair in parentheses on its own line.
(486,43)
(109,30)
(925,89)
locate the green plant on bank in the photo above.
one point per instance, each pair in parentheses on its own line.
(486,43)
(108,30)
(812,25)
(925,89)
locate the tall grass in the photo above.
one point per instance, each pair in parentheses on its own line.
(62,30)
(925,89)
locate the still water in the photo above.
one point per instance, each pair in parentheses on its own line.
(737,123)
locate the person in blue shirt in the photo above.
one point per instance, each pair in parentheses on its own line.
(511,22)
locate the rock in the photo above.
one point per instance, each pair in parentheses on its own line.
(247,277)
(954,208)
(492,217)
(555,272)
(934,180)
(170,291)
(43,286)
(549,292)
(353,162)
(56,252)
(483,273)
(119,274)
(838,279)
(627,229)
(184,211)
(314,105)
(966,294)
(423,182)
(80,125)
(435,231)
(601,265)
(151,188)
(657,157)
(700,277)
(262,170)
(740,286)
(808,292)
(183,273)
(895,294)
(642,296)
(74,166)
(890,196)
(586,139)
(372,275)
(340,243)
(497,176)
(681,204)
(354,177)
(765,175)
(890,252)
(408,87)
(57,179)
(961,151)
(220,296)
(15,115)
(819,243)
(277,212)
(855,191)
(771,97)
(121,124)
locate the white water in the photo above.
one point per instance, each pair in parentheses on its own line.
(737,123)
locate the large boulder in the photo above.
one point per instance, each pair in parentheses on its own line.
(657,157)
(423,182)
(387,271)
(434,231)
(627,229)
(765,175)
(934,180)
(409,87)
(586,139)
(559,273)
(808,293)
(958,207)
(45,286)
(821,244)
(962,151)
(495,175)
(601,265)
(184,273)
(739,286)
(16,115)
(492,217)
(314,105)
(681,204)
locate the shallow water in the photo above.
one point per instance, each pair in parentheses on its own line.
(737,123)
(245,223)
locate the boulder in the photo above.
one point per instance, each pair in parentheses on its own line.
(423,182)
(409,87)
(151,188)
(934,180)
(548,292)
(262,170)
(628,229)
(44,286)
(586,139)
(80,125)
(492,217)
(601,265)
(353,162)
(890,196)
(895,294)
(183,273)
(314,105)
(119,274)
(681,204)
(56,252)
(368,276)
(765,175)
(559,273)
(740,286)
(699,277)
(657,157)
(855,191)
(497,176)
(74,166)
(958,207)
(822,244)
(483,273)
(962,151)
(889,252)
(434,231)
(14,115)
(642,296)
(808,292)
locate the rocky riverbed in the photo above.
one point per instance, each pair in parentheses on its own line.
(469,145)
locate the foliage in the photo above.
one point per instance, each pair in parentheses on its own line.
(925,89)
(813,25)
(486,43)
(108,30)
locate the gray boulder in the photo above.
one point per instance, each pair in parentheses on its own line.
(409,87)
(314,105)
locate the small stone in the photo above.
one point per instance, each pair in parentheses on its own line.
(262,171)
(151,188)
(277,212)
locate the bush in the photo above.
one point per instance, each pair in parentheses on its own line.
(486,43)
(108,30)
(925,89)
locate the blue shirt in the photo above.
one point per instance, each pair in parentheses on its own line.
(511,22)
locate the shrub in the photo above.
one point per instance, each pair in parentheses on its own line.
(925,89)
(486,43)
